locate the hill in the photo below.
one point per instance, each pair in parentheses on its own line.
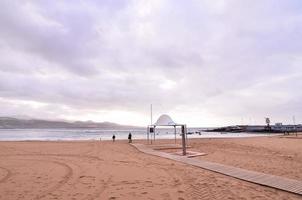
(15,123)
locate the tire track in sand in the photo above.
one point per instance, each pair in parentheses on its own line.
(65,179)
(99,192)
(7,176)
(106,183)
(55,155)
(205,193)
(59,160)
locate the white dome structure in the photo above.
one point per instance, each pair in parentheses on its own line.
(165,120)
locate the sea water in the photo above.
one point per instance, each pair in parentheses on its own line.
(106,134)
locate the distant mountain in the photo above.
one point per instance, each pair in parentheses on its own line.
(16,123)
(20,116)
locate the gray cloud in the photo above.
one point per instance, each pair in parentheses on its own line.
(204,62)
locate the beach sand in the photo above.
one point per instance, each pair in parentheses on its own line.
(107,170)
(281,156)
(277,155)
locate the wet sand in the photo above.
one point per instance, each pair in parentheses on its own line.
(107,170)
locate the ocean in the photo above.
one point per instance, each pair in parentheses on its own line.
(105,134)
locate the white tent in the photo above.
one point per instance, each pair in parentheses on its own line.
(164,120)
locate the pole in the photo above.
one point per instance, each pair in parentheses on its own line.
(183,133)
(151,114)
(151,124)
(148,132)
(154,134)
(151,137)
(175,133)
(186,137)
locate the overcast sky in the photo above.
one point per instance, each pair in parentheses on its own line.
(204,62)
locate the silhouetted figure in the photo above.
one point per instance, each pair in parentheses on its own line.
(113,138)
(130,138)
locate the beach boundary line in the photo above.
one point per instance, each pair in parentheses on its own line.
(277,182)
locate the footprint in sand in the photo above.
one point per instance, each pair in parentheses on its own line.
(165,195)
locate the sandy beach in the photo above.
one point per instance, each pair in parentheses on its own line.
(107,170)
(278,155)
(281,156)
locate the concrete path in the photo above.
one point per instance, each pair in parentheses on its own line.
(286,184)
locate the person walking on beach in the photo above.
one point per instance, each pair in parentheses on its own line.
(113,138)
(130,138)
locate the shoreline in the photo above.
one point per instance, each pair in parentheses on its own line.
(208,136)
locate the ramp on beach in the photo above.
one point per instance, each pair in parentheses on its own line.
(285,184)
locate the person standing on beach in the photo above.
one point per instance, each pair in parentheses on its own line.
(113,138)
(130,138)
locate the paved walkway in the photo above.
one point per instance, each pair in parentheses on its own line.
(273,181)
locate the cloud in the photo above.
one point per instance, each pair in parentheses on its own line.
(204,62)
